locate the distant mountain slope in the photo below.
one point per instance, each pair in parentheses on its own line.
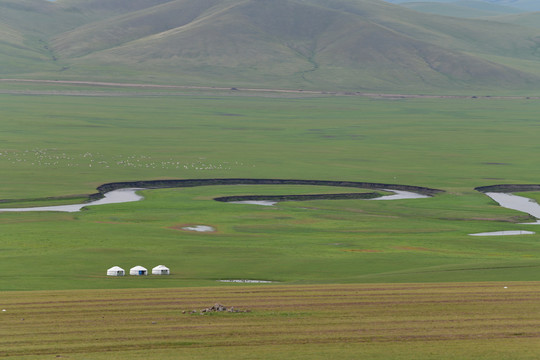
(20,46)
(462,9)
(311,44)
(526,5)
(523,5)
(117,30)
(525,19)
(37,17)
(99,9)
(456,34)
(488,6)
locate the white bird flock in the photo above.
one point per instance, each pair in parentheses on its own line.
(55,158)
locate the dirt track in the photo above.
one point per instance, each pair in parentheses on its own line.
(243,91)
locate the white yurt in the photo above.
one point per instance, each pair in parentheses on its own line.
(138,270)
(116,271)
(161,270)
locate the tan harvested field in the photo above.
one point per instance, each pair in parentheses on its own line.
(375,321)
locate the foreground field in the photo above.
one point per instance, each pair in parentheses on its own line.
(380,321)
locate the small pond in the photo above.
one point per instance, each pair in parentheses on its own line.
(504,233)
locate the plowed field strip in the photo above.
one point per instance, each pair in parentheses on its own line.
(80,322)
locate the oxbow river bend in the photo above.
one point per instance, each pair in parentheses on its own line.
(130,195)
(123,195)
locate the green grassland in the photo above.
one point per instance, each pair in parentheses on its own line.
(66,146)
(343,268)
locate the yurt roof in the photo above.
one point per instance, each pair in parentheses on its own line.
(161,267)
(138,267)
(116,268)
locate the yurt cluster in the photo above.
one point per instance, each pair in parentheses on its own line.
(138,271)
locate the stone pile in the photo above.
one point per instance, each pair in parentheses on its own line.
(217,308)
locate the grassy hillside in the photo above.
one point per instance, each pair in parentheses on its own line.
(368,45)
(472,36)
(132,25)
(314,44)
(39,18)
(527,19)
(461,9)
(525,5)
(97,9)
(20,53)
(521,5)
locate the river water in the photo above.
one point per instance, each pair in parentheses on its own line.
(200,228)
(400,195)
(519,203)
(255,202)
(504,233)
(129,195)
(397,195)
(112,197)
(514,202)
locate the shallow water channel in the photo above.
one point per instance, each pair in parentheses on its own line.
(514,202)
(504,233)
(401,195)
(397,195)
(112,197)
(129,195)
(519,203)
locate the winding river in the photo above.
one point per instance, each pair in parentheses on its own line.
(111,197)
(130,195)
(114,193)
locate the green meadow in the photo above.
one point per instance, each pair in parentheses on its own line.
(57,149)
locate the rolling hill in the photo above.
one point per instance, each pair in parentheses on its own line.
(526,19)
(521,5)
(309,44)
(462,9)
